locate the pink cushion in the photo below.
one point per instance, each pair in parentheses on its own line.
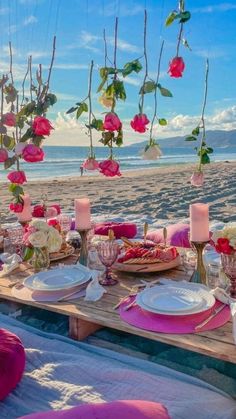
(125,409)
(177,235)
(12,362)
(128,230)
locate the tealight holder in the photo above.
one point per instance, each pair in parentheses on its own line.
(83,256)
(199,275)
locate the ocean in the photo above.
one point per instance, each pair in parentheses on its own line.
(66,161)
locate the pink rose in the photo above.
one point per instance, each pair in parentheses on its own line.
(38,211)
(90,164)
(17,177)
(197,179)
(51,212)
(223,246)
(109,168)
(18,207)
(9,119)
(139,123)
(3,155)
(112,122)
(31,153)
(41,126)
(176,67)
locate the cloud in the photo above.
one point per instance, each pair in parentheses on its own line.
(222,7)
(29,20)
(89,41)
(212,53)
(68,66)
(4,10)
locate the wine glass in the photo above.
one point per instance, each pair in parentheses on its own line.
(65,223)
(108,252)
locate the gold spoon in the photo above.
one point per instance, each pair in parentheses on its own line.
(165,235)
(145,230)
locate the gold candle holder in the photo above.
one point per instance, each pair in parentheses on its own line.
(83,256)
(199,275)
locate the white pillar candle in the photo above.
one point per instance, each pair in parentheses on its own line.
(199,222)
(26,214)
(82,214)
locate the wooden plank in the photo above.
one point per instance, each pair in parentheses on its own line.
(80,329)
(86,317)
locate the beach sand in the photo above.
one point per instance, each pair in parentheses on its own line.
(160,193)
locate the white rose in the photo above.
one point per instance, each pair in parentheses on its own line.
(152,153)
(38,239)
(54,240)
(40,225)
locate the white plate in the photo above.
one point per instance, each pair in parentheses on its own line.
(208,300)
(171,298)
(58,279)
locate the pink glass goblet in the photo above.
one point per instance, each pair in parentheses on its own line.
(229,267)
(108,252)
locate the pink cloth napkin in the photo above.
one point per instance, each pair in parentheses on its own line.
(172,324)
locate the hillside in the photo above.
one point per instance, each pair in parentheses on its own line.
(214,139)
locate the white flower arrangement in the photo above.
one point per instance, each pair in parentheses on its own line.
(42,235)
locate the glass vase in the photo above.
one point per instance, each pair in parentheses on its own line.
(229,267)
(40,259)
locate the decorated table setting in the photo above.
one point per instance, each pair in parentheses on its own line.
(153,300)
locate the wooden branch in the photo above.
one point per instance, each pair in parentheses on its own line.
(51,64)
(155,93)
(10,71)
(23,83)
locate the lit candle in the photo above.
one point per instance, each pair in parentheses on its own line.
(199,222)
(82,214)
(26,214)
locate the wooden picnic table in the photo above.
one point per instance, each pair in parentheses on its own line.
(86,317)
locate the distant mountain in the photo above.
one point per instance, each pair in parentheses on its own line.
(216,138)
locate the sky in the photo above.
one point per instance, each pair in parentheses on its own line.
(78,25)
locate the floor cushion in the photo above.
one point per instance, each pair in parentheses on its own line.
(12,362)
(128,230)
(122,409)
(177,235)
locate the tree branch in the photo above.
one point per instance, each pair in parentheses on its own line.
(155,93)
(145,59)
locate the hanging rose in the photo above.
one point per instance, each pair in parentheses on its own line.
(151,152)
(176,67)
(90,164)
(9,119)
(139,123)
(16,207)
(41,126)
(3,155)
(109,168)
(31,153)
(112,122)
(17,177)
(197,179)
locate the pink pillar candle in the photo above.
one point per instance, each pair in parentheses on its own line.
(26,214)
(199,222)
(82,214)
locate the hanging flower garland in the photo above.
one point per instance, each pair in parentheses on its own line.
(140,121)
(177,65)
(203,151)
(24,127)
(115,90)
(90,163)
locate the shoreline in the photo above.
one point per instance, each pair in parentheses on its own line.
(158,193)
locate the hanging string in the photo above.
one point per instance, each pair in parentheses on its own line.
(48,25)
(57,16)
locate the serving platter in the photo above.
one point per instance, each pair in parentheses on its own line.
(62,255)
(151,267)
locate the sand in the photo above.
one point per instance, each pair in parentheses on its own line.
(160,193)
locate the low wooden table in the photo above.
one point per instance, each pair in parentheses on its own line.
(87,317)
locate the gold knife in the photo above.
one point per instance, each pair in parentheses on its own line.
(213,314)
(145,230)
(165,235)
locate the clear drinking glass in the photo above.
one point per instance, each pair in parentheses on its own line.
(213,275)
(189,261)
(65,222)
(108,252)
(15,235)
(8,246)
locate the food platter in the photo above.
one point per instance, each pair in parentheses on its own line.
(151,267)
(68,251)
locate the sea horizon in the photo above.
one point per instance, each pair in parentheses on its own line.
(65,161)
